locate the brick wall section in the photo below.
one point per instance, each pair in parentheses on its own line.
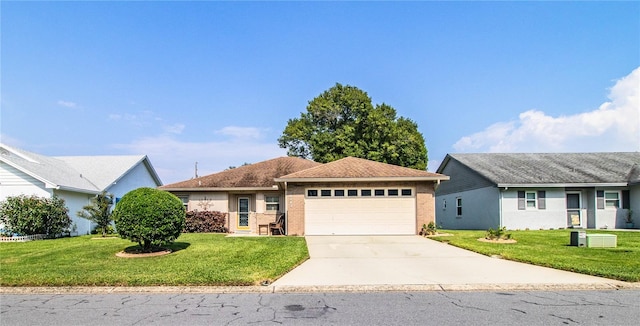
(424,192)
(295,209)
(426,204)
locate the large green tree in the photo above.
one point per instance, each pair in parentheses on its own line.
(343,122)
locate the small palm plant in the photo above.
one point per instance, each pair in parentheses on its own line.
(99,211)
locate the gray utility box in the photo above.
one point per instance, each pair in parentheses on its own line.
(579,238)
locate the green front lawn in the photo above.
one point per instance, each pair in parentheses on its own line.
(198,259)
(551,248)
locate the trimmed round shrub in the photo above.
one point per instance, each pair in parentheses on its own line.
(150,217)
(29,215)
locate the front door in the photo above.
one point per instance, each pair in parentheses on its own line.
(573,209)
(243,213)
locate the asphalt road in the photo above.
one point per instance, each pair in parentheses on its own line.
(611,307)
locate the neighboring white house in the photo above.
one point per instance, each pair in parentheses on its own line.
(539,191)
(76,179)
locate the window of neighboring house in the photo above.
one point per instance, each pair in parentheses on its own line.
(185,202)
(531,199)
(611,199)
(352,192)
(365,192)
(392,192)
(273,203)
(312,193)
(406,192)
(378,192)
(338,193)
(459,206)
(325,192)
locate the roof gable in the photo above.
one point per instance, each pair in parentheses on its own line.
(90,174)
(550,168)
(103,171)
(257,175)
(358,168)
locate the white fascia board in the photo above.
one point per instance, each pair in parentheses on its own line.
(560,185)
(73,189)
(221,189)
(375,179)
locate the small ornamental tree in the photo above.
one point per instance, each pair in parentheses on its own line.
(149,217)
(99,211)
(28,215)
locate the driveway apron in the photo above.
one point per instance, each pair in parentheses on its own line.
(413,260)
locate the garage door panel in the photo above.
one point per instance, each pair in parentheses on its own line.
(359,216)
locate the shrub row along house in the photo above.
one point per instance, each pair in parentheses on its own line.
(519,191)
(349,196)
(76,179)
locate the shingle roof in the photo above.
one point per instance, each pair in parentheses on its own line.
(90,174)
(103,171)
(257,175)
(357,168)
(552,168)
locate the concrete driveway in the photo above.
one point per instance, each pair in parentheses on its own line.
(414,260)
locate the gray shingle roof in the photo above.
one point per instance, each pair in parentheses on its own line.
(553,168)
(90,174)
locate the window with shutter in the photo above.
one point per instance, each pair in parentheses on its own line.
(542,204)
(521,200)
(626,199)
(600,199)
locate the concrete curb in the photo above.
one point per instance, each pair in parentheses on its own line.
(319,289)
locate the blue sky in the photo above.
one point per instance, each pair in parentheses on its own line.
(216,82)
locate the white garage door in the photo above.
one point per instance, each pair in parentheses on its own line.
(360,216)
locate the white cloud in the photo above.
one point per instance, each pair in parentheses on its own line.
(614,126)
(174,160)
(174,128)
(241,132)
(67,104)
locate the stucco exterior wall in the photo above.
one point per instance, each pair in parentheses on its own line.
(553,216)
(480,209)
(74,202)
(610,217)
(207,201)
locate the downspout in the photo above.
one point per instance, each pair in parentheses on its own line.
(500,205)
(286,209)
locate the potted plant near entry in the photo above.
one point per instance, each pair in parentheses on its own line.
(629,220)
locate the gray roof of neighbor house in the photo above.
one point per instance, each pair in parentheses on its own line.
(90,174)
(259,175)
(357,169)
(505,169)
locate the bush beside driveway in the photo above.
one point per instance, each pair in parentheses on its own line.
(197,259)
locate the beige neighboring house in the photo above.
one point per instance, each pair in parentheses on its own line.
(350,196)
